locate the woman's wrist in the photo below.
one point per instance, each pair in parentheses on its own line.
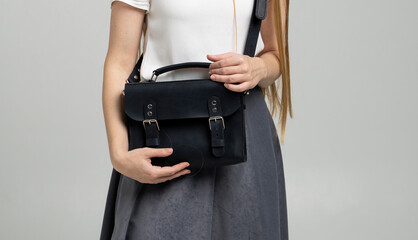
(271,69)
(259,69)
(117,158)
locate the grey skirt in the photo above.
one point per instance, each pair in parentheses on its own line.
(242,201)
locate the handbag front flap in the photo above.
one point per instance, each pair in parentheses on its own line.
(179,99)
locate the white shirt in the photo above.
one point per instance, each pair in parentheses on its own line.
(186,30)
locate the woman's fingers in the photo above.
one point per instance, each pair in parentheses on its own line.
(230,70)
(234,70)
(181,173)
(158,171)
(156,152)
(155,174)
(238,69)
(237,87)
(234,78)
(168,171)
(227,61)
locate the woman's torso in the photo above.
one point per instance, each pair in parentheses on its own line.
(187,30)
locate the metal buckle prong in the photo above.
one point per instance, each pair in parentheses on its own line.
(149,121)
(216,118)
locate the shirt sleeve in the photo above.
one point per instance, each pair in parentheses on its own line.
(142,4)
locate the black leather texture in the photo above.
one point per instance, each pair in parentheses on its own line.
(199,118)
(261,9)
(182,110)
(176,66)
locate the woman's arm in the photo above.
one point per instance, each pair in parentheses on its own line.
(269,57)
(244,71)
(124,40)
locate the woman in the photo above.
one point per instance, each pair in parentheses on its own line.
(242,201)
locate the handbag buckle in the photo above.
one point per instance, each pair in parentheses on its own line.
(216,118)
(149,121)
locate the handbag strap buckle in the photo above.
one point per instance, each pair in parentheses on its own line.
(214,118)
(217,132)
(149,121)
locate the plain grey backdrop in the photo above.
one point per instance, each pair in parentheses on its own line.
(350,153)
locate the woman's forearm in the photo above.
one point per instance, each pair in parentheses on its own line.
(112,102)
(269,66)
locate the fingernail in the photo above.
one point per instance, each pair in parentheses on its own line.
(169,150)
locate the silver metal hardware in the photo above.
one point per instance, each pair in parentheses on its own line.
(149,113)
(136,76)
(152,77)
(216,118)
(126,82)
(214,102)
(149,121)
(214,109)
(149,106)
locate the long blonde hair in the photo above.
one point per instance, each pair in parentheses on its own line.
(283,105)
(272,91)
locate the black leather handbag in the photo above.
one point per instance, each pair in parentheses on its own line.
(202,121)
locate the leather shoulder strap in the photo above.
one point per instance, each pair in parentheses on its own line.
(259,13)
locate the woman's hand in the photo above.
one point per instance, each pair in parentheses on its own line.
(136,164)
(238,72)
